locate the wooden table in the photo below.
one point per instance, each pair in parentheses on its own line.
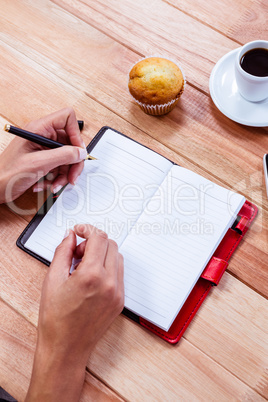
(64,52)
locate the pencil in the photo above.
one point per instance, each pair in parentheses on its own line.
(39,139)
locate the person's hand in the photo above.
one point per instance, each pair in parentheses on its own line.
(75,311)
(23,163)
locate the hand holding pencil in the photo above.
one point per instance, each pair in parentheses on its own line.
(24,163)
(39,139)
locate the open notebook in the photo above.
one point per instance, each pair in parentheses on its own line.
(167,221)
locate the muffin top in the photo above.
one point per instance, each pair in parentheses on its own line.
(155,81)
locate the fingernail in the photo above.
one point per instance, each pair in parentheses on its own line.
(56,189)
(84,145)
(82,154)
(37,189)
(66,234)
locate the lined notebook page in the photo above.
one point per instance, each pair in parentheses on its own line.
(166,220)
(172,242)
(110,194)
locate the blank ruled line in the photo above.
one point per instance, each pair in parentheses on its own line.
(146,307)
(172,263)
(165,247)
(154,282)
(145,300)
(145,296)
(42,245)
(116,163)
(175,271)
(198,189)
(136,157)
(174,241)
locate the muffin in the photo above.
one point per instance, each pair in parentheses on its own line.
(156,84)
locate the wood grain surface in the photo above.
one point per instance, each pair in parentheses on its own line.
(240,20)
(78,53)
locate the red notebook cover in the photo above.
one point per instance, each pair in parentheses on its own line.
(209,278)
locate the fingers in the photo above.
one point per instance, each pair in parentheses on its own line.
(45,182)
(59,177)
(100,253)
(114,265)
(58,126)
(80,250)
(63,256)
(66,119)
(120,274)
(45,161)
(96,246)
(63,127)
(97,249)
(60,180)
(112,257)
(74,172)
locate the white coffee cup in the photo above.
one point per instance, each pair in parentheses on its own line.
(251,87)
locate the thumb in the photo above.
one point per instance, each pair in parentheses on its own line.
(67,155)
(63,256)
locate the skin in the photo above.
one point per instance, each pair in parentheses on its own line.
(75,310)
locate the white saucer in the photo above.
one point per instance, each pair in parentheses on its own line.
(225,95)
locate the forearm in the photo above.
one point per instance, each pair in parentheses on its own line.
(55,377)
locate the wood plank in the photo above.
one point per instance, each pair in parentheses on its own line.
(240,20)
(240,331)
(231,322)
(252,24)
(244,265)
(5,137)
(195,129)
(17,343)
(17,346)
(138,26)
(183,371)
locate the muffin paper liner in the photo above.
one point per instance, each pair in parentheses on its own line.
(158,110)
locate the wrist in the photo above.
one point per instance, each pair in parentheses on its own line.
(56,376)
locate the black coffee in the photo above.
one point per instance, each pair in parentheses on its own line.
(255,62)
